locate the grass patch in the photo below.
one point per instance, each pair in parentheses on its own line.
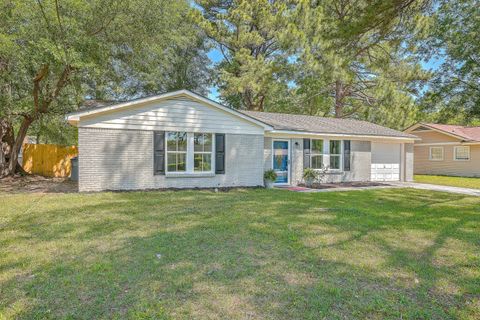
(462,182)
(262,254)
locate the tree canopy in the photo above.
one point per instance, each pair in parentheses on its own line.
(247,33)
(54,54)
(454,39)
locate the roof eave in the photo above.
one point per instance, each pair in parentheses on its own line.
(438,130)
(310,133)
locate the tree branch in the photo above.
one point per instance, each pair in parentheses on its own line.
(41,74)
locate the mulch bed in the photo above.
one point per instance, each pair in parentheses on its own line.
(37,184)
(345,185)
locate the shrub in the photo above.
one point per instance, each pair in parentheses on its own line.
(310,174)
(270,175)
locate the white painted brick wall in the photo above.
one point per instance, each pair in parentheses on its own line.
(360,162)
(114,159)
(409,162)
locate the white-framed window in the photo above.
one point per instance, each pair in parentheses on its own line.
(335,154)
(202,156)
(177,147)
(188,152)
(316,154)
(461,153)
(436,154)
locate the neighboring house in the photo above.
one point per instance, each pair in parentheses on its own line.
(446,149)
(183,140)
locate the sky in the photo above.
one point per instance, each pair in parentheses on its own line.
(216,56)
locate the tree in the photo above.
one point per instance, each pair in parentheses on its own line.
(53,54)
(246,32)
(454,93)
(354,59)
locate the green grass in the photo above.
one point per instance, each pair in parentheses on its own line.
(462,182)
(243,254)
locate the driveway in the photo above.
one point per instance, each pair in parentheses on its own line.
(423,186)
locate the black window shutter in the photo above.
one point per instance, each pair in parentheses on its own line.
(346,155)
(306,153)
(159,152)
(219,153)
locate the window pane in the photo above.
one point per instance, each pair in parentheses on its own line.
(202,142)
(197,162)
(176,141)
(334,162)
(207,162)
(182,141)
(198,141)
(317,162)
(202,162)
(335,147)
(171,162)
(172,141)
(317,146)
(181,162)
(207,142)
(176,162)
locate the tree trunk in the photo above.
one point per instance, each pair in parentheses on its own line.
(6,145)
(17,146)
(339,95)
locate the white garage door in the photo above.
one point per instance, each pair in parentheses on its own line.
(385,161)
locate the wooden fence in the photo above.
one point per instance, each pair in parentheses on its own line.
(48,160)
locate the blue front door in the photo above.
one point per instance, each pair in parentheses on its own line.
(280,160)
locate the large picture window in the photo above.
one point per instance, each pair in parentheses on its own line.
(176,151)
(316,154)
(189,152)
(202,156)
(335,154)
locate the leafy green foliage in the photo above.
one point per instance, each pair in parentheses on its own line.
(270,175)
(454,93)
(310,174)
(328,58)
(55,54)
(354,62)
(247,33)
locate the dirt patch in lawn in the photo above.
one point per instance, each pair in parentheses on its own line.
(345,185)
(37,184)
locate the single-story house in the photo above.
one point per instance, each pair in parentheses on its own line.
(183,140)
(446,149)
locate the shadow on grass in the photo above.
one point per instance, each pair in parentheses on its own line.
(245,254)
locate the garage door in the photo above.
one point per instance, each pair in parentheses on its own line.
(385,161)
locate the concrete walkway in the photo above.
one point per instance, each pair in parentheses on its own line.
(389,185)
(304,189)
(434,187)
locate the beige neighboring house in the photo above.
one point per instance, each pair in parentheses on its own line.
(446,149)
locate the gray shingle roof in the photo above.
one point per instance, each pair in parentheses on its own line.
(314,124)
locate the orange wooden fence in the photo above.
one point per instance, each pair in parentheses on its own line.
(48,160)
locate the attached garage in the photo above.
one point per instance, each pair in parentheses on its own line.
(386,161)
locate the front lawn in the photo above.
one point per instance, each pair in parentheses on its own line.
(243,254)
(462,182)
